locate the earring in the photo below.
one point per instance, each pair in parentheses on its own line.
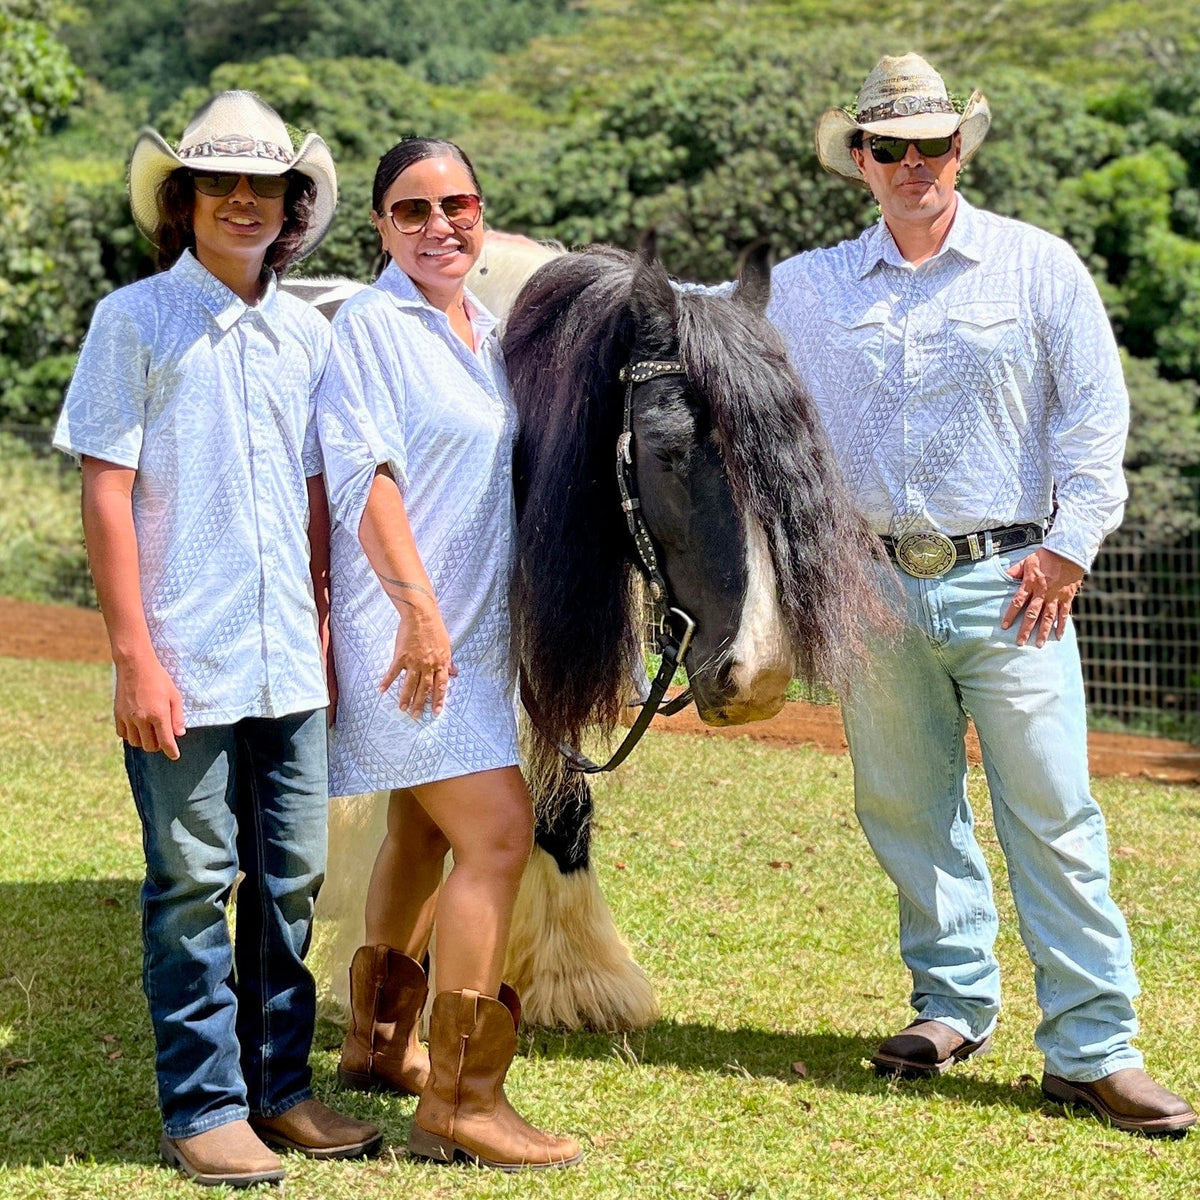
(483,270)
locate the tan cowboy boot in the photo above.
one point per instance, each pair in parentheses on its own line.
(382,1051)
(463,1111)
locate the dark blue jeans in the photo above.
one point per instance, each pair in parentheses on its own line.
(233,1024)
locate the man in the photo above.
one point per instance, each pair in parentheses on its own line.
(970,384)
(192,411)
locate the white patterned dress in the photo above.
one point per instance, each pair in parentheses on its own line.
(401,388)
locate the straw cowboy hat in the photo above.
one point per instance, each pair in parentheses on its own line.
(235,132)
(902,97)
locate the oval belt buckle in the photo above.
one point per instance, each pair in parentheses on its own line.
(926,554)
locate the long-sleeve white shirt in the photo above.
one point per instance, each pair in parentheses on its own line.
(967,393)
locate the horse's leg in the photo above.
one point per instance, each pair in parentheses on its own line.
(565,957)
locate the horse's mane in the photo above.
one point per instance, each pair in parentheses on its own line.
(576,608)
(574,603)
(783,475)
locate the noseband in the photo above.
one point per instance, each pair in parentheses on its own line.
(673,646)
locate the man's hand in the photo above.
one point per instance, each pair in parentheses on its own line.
(1047,589)
(147,707)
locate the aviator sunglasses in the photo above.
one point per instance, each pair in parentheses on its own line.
(891,150)
(266,187)
(412,215)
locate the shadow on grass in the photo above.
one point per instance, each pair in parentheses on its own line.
(834,1061)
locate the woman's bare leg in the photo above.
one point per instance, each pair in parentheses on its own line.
(487,819)
(402,894)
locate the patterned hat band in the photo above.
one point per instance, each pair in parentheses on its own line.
(904,106)
(238,146)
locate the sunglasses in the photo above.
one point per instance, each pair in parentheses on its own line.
(412,215)
(892,149)
(266,187)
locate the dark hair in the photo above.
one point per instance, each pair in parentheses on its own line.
(412,150)
(176,203)
(856,140)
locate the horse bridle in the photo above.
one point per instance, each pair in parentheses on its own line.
(672,646)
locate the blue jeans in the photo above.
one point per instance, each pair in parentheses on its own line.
(233,1025)
(906,723)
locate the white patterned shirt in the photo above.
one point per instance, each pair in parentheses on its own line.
(969,392)
(401,388)
(212,402)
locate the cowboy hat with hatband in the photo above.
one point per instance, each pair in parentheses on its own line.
(237,133)
(902,97)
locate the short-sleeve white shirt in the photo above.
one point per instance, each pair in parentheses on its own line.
(212,402)
(402,388)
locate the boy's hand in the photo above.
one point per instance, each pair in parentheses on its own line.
(147,707)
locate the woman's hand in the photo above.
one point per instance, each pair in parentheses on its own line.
(422,657)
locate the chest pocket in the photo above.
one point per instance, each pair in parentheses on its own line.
(856,342)
(985,328)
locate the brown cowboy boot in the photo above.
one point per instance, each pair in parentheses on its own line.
(382,1051)
(463,1112)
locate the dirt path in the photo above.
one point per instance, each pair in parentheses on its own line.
(77,635)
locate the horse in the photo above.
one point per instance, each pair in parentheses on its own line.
(620,379)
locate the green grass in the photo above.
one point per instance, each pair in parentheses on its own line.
(758,966)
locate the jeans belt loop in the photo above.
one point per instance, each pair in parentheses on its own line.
(988,549)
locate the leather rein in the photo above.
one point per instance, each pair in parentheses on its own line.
(672,645)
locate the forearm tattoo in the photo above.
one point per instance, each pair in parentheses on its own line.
(394,587)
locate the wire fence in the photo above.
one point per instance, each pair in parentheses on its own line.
(1138,622)
(1137,619)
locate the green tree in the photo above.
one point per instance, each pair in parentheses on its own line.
(1162,457)
(38,80)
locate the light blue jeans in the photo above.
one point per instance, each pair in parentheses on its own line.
(233,1024)
(906,723)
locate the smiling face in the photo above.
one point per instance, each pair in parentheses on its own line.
(438,257)
(915,189)
(234,232)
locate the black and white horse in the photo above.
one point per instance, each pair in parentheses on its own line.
(750,529)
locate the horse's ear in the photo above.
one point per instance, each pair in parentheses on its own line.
(647,247)
(753,285)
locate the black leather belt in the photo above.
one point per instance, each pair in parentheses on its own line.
(928,554)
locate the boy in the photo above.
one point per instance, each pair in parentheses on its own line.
(192,412)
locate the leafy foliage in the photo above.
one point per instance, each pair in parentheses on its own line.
(694,116)
(37,82)
(155,47)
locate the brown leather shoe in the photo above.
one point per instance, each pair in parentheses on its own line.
(924,1049)
(232,1155)
(1128,1099)
(316,1131)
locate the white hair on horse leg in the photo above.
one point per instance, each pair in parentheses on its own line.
(357,825)
(762,645)
(566,959)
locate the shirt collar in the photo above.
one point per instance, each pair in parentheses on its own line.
(405,294)
(224,306)
(878,245)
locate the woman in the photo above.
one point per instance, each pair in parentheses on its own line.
(415,392)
